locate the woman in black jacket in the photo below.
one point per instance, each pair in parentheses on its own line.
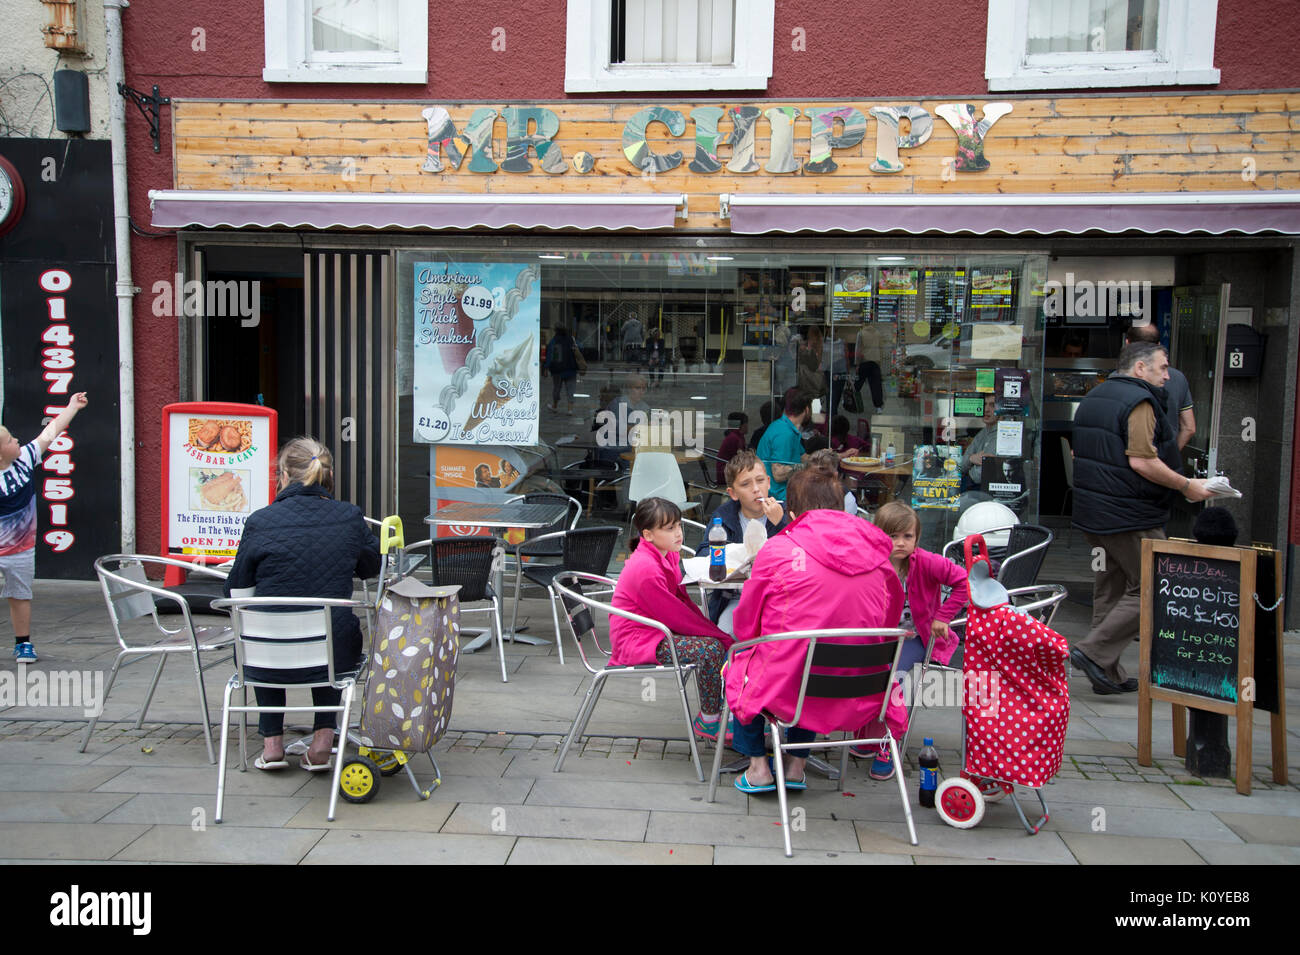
(305,544)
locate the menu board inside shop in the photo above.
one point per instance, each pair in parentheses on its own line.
(945,296)
(1195,604)
(896,296)
(991,291)
(851,296)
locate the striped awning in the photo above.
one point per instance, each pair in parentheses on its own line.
(1185,213)
(178,209)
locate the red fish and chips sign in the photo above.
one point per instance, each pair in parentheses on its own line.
(218,468)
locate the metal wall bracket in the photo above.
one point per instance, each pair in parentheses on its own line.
(150,107)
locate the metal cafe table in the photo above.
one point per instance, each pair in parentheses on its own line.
(476,514)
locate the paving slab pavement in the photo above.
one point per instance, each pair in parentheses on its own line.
(627,795)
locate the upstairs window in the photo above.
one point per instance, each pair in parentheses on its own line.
(1082,44)
(354,31)
(667,45)
(695,32)
(346,41)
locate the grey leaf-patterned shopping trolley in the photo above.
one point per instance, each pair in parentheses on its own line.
(410,679)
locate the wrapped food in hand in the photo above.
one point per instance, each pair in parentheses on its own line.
(755,537)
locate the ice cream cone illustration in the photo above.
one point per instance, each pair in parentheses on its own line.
(483,405)
(509,368)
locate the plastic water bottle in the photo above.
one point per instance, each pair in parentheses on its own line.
(717,551)
(929,763)
(890,454)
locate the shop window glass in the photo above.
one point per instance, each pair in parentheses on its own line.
(919,353)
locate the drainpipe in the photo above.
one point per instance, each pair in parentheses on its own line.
(126,289)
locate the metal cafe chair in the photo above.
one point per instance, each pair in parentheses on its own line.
(694,527)
(657,474)
(467,562)
(598,476)
(875,663)
(708,486)
(1041,601)
(287,634)
(576,590)
(130,597)
(549,549)
(586,550)
(1021,558)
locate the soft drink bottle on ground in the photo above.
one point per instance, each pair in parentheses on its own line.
(929,763)
(717,550)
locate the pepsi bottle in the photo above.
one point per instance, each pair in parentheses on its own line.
(717,551)
(929,763)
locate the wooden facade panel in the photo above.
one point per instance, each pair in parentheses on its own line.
(1064,173)
(1105,144)
(1148,182)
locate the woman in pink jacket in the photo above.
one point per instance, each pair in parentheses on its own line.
(827,569)
(921,574)
(651,586)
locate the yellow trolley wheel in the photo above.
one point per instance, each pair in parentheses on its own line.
(359,779)
(389,763)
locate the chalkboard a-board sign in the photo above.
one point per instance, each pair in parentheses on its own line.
(1200,621)
(1195,623)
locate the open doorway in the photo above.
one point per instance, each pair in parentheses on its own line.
(318,350)
(257,359)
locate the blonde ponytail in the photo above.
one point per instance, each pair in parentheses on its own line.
(306,461)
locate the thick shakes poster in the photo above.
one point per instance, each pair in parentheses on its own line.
(477,326)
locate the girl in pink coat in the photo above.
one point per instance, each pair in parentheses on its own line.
(827,569)
(651,586)
(921,574)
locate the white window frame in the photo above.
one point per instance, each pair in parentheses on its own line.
(587,68)
(1184,53)
(288,49)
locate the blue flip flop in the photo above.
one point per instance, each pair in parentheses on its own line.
(797,785)
(745,786)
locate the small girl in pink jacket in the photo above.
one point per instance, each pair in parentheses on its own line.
(651,586)
(921,573)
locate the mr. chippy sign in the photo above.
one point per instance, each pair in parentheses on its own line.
(448,146)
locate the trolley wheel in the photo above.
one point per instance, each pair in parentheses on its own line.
(359,779)
(991,791)
(959,803)
(387,761)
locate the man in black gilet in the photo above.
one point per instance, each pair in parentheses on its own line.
(1127,469)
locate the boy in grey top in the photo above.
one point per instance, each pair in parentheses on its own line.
(1181,412)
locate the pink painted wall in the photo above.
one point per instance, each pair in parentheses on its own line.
(894,50)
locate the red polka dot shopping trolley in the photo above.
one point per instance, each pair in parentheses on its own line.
(1013,734)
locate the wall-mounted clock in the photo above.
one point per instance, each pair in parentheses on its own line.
(13,197)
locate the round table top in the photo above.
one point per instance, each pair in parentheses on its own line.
(897,468)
